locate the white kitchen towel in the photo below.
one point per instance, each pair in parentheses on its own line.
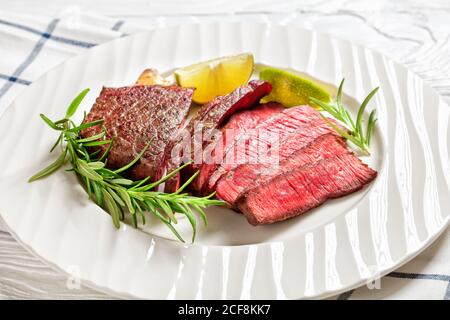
(32,45)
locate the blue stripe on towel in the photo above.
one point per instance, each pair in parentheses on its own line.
(346,295)
(447,293)
(117,25)
(411,276)
(73,42)
(422,276)
(33,54)
(14,79)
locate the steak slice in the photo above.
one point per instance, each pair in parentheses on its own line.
(221,108)
(304,188)
(271,133)
(246,176)
(237,125)
(135,115)
(211,117)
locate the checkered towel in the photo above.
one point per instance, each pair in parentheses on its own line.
(30,46)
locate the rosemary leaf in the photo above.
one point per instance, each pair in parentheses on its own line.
(357,136)
(126,198)
(116,197)
(95,153)
(87,171)
(167,210)
(190,215)
(136,159)
(174,231)
(370,126)
(122,181)
(139,183)
(187,182)
(57,142)
(88,185)
(75,103)
(85,126)
(105,154)
(50,123)
(108,174)
(201,213)
(151,207)
(91,138)
(98,193)
(361,110)
(139,210)
(134,220)
(51,168)
(96,165)
(112,208)
(163,179)
(96,143)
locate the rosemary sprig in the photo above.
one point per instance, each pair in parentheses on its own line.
(110,190)
(356,135)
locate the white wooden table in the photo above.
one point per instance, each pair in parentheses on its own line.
(416,33)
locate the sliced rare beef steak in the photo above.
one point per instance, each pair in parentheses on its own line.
(306,187)
(134,116)
(247,176)
(238,124)
(281,135)
(212,116)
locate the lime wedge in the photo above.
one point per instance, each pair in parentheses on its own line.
(289,89)
(216,77)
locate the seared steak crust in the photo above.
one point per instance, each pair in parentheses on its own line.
(134,116)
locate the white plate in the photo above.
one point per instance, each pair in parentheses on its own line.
(331,249)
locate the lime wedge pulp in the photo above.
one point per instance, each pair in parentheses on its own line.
(216,77)
(290,89)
